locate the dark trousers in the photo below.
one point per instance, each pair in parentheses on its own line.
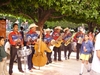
(49,57)
(78,50)
(57,49)
(13,53)
(29,59)
(69,49)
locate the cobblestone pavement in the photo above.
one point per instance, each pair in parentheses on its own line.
(66,67)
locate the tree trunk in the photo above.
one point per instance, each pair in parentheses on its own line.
(91,26)
(43,19)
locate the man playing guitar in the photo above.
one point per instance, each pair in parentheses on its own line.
(56,34)
(47,40)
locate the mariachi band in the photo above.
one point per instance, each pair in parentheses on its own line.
(52,38)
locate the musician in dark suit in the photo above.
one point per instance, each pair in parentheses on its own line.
(31,38)
(67,42)
(56,34)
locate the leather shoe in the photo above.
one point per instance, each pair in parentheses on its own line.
(47,63)
(55,60)
(50,61)
(80,74)
(33,68)
(88,70)
(21,71)
(59,60)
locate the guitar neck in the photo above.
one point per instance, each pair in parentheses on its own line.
(60,37)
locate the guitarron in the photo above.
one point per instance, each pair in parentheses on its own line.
(39,58)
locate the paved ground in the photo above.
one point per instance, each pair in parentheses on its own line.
(67,67)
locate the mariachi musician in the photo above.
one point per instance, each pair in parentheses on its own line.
(67,42)
(55,35)
(31,37)
(47,40)
(16,43)
(79,39)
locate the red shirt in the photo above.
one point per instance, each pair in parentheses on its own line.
(33,37)
(47,35)
(31,32)
(77,35)
(55,35)
(13,37)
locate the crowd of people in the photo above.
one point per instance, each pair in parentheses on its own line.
(83,43)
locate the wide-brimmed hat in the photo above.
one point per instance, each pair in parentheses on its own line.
(81,29)
(32,25)
(58,27)
(48,29)
(66,29)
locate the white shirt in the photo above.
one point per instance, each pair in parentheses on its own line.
(96,60)
(7,45)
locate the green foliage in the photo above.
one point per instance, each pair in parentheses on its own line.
(63,24)
(77,11)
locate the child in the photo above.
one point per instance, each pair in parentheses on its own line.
(86,48)
(3,57)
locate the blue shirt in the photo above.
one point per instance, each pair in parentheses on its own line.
(31,36)
(47,38)
(67,36)
(88,45)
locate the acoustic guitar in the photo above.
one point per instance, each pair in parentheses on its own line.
(57,43)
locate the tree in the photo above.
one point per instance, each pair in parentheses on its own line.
(85,11)
(39,11)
